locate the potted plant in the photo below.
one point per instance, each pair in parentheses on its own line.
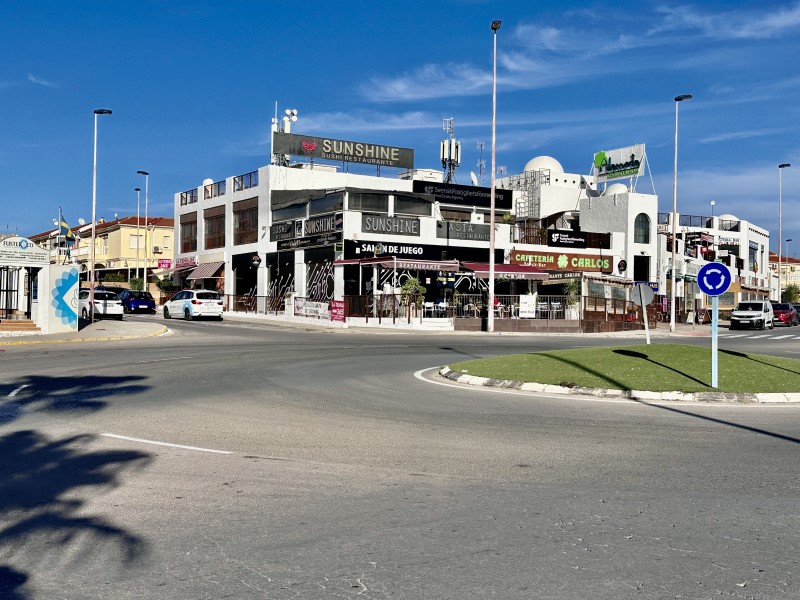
(413,292)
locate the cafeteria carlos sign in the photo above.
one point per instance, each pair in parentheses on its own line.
(557,261)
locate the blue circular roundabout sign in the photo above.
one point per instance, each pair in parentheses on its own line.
(714,279)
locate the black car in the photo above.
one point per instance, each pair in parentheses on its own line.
(137,301)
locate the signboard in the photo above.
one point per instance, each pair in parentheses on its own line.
(555,261)
(185,261)
(527,306)
(62,309)
(326,239)
(714,279)
(465,195)
(164,263)
(458,230)
(337,310)
(566,239)
(281,231)
(324,224)
(390,225)
(342,150)
(18,251)
(388,247)
(620,163)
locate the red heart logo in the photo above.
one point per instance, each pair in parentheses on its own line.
(308,146)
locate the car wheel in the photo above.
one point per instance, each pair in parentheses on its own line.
(187,316)
(119,317)
(85,314)
(772,324)
(219,318)
(166,313)
(763,325)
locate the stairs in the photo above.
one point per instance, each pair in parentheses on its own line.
(11,326)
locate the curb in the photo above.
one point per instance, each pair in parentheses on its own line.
(641,395)
(110,338)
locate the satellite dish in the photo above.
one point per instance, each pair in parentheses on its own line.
(474,178)
(55,222)
(81,222)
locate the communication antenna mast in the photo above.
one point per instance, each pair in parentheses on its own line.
(481,162)
(450,151)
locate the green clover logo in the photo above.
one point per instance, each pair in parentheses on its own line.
(600,159)
(562,261)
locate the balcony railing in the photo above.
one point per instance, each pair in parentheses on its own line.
(212,190)
(246,181)
(188,197)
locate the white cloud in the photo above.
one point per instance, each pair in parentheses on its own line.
(734,24)
(738,135)
(39,81)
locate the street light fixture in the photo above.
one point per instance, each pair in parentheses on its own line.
(781,167)
(678,100)
(713,202)
(97,111)
(138,238)
(490,307)
(146,188)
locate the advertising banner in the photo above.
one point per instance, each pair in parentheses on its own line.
(620,163)
(566,239)
(18,251)
(342,150)
(62,309)
(465,195)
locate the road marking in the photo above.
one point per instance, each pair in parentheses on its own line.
(758,337)
(18,390)
(133,439)
(734,335)
(782,337)
(143,362)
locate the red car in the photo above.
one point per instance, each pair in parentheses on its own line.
(785,313)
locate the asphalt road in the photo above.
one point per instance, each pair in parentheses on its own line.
(325,465)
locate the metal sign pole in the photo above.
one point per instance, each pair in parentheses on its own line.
(644,314)
(714,344)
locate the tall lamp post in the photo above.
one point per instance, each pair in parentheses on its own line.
(781,167)
(490,308)
(146,188)
(97,111)
(678,100)
(713,203)
(138,238)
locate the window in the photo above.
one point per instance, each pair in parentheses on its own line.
(215,231)
(641,229)
(245,225)
(328,204)
(296,211)
(166,241)
(369,202)
(409,205)
(212,190)
(136,242)
(189,236)
(246,181)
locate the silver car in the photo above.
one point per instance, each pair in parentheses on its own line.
(191,304)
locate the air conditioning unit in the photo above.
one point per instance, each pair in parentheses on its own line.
(157,250)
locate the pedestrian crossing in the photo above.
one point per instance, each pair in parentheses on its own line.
(758,335)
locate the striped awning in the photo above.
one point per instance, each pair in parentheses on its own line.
(205,271)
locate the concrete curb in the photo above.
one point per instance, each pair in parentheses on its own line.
(641,395)
(98,338)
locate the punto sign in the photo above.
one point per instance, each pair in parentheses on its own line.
(557,261)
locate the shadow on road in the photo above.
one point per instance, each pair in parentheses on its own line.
(47,483)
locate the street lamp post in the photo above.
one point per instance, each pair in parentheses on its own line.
(146,188)
(138,191)
(490,307)
(781,167)
(97,111)
(713,202)
(678,100)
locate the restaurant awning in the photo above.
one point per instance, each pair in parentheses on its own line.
(170,270)
(205,271)
(506,271)
(389,262)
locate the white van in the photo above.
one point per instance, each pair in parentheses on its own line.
(753,313)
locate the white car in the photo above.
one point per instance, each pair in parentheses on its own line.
(757,314)
(106,304)
(191,304)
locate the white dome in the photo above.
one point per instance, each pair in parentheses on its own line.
(208,181)
(616,188)
(544,162)
(727,217)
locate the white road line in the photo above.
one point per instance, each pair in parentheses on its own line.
(142,362)
(133,439)
(758,337)
(18,390)
(782,337)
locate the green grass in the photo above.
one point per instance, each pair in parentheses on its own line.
(655,367)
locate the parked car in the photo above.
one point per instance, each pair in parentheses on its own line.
(106,304)
(137,301)
(191,304)
(754,313)
(110,288)
(785,313)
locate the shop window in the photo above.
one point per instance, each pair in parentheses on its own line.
(323,206)
(369,202)
(409,205)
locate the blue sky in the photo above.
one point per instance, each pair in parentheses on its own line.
(193,86)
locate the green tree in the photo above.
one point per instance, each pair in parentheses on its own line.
(791,294)
(137,283)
